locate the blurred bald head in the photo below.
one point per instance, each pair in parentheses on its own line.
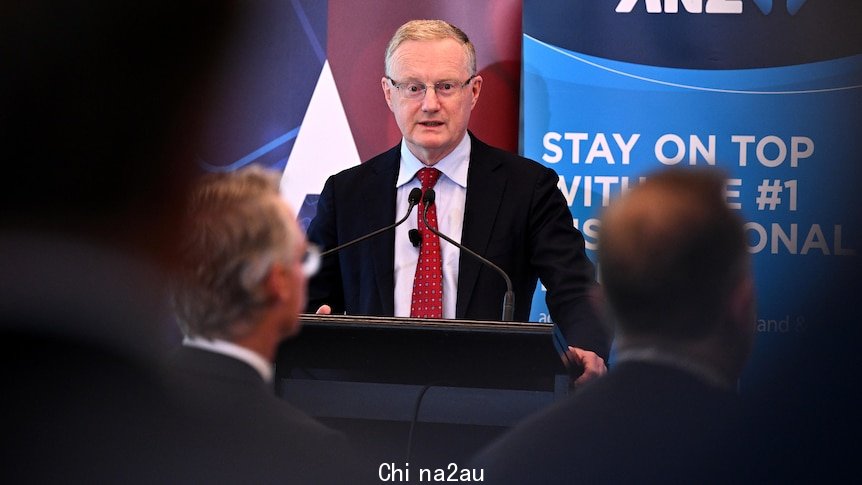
(672,253)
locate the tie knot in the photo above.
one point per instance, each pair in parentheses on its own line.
(428,176)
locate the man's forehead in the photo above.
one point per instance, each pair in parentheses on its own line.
(437,54)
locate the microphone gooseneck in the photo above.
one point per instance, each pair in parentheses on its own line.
(509,298)
(412,199)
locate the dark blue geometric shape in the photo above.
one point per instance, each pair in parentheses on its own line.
(765,6)
(307,211)
(278,165)
(793,6)
(265,84)
(309,31)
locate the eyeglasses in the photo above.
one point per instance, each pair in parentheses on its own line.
(417,90)
(310,260)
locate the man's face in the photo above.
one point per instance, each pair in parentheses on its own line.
(432,125)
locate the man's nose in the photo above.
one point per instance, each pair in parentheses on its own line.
(430,102)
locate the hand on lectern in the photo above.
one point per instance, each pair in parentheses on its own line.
(593,365)
(324,310)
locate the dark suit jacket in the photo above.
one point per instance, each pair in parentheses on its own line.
(640,423)
(85,395)
(514,215)
(262,438)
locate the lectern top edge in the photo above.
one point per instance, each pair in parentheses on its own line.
(427,324)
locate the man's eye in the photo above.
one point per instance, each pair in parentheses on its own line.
(448,86)
(414,88)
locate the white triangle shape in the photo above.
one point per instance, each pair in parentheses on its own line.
(324,145)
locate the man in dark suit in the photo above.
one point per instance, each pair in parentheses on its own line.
(676,272)
(241,287)
(502,206)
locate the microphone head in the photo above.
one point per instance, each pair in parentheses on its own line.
(415,196)
(428,197)
(415,237)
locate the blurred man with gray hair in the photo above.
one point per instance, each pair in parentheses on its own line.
(241,287)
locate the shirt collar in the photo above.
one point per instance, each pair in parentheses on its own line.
(655,355)
(453,166)
(229,349)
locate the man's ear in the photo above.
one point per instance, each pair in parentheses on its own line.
(475,88)
(387,91)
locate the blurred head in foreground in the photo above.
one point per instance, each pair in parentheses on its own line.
(102,107)
(243,277)
(676,271)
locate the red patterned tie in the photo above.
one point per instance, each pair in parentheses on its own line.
(428,283)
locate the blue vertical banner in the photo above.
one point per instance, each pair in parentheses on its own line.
(768,91)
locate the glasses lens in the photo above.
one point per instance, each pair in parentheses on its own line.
(445,88)
(414,90)
(311,260)
(417,90)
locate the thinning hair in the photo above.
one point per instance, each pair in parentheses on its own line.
(671,251)
(236,230)
(423,30)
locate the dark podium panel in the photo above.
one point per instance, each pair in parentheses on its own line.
(436,371)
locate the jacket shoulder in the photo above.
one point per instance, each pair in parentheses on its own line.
(387,160)
(484,153)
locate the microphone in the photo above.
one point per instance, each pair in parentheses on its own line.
(415,237)
(412,199)
(509,297)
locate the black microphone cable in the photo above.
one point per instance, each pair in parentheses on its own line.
(412,199)
(509,298)
(415,419)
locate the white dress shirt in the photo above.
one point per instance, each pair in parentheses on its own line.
(451,193)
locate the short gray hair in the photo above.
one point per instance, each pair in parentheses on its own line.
(236,230)
(429,30)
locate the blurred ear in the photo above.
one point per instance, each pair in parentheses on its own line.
(277,283)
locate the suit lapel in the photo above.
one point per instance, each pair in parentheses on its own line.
(380,195)
(485,186)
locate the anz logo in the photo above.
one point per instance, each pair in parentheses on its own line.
(704,6)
